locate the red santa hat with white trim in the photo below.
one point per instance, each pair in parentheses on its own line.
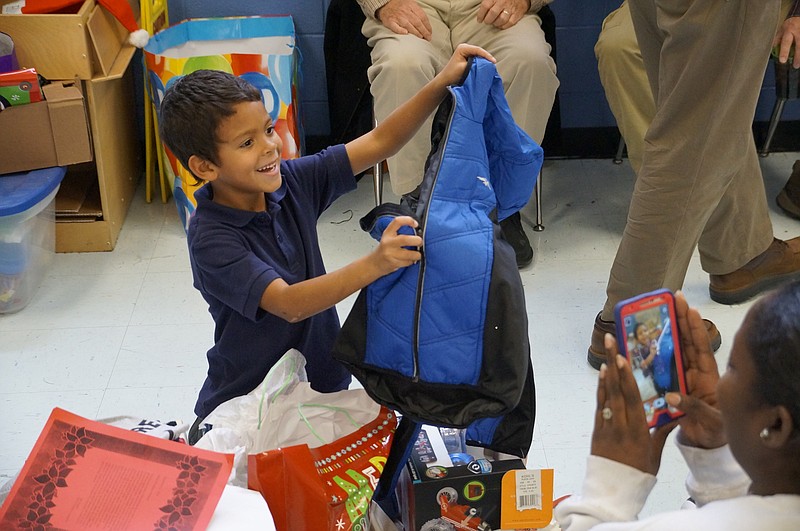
(121,10)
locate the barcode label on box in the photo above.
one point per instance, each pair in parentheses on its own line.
(529,489)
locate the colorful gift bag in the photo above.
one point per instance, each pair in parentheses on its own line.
(329,487)
(261,50)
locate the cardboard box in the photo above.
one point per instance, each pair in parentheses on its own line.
(117,165)
(45,134)
(82,44)
(482,495)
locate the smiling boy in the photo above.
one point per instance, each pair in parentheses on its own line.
(253,243)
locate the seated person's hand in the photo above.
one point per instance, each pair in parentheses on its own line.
(399,247)
(405,17)
(702,425)
(503,14)
(620,427)
(787,37)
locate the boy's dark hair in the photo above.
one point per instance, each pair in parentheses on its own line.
(193,108)
(773,340)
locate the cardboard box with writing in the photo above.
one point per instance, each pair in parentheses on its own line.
(47,133)
(482,495)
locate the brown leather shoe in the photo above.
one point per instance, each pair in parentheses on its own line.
(789,198)
(597,348)
(778,264)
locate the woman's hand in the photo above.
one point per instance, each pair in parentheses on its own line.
(620,427)
(702,424)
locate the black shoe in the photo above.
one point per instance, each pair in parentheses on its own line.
(515,235)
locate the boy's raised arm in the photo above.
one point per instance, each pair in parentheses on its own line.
(398,128)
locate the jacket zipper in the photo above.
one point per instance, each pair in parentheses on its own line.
(421,273)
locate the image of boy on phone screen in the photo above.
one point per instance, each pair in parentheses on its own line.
(652,351)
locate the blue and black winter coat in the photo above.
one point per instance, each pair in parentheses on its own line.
(445,341)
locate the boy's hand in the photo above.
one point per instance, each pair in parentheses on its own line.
(453,71)
(398,250)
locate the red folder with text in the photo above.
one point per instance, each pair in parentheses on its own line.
(85,475)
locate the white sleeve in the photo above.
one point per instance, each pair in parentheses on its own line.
(713,474)
(369,7)
(611,492)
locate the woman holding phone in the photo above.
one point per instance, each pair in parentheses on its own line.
(740,434)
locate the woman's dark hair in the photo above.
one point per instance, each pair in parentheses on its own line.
(193,108)
(773,340)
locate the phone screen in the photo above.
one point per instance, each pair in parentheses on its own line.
(647,335)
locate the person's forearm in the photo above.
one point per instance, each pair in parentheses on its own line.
(295,302)
(404,122)
(611,492)
(713,474)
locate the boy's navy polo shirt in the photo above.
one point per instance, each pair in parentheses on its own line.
(235,254)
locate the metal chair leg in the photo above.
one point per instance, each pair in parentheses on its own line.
(537,199)
(620,149)
(777,110)
(377,173)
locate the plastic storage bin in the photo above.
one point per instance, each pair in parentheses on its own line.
(27,233)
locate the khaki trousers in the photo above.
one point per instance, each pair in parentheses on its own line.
(402,64)
(700,184)
(624,79)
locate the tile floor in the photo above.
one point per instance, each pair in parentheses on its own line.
(125,333)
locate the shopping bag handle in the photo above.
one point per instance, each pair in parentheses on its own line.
(323,406)
(288,380)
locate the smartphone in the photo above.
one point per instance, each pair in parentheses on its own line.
(647,335)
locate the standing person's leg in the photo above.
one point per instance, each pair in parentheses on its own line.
(624,80)
(697,166)
(401,66)
(529,82)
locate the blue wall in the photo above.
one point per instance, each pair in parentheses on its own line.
(583,103)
